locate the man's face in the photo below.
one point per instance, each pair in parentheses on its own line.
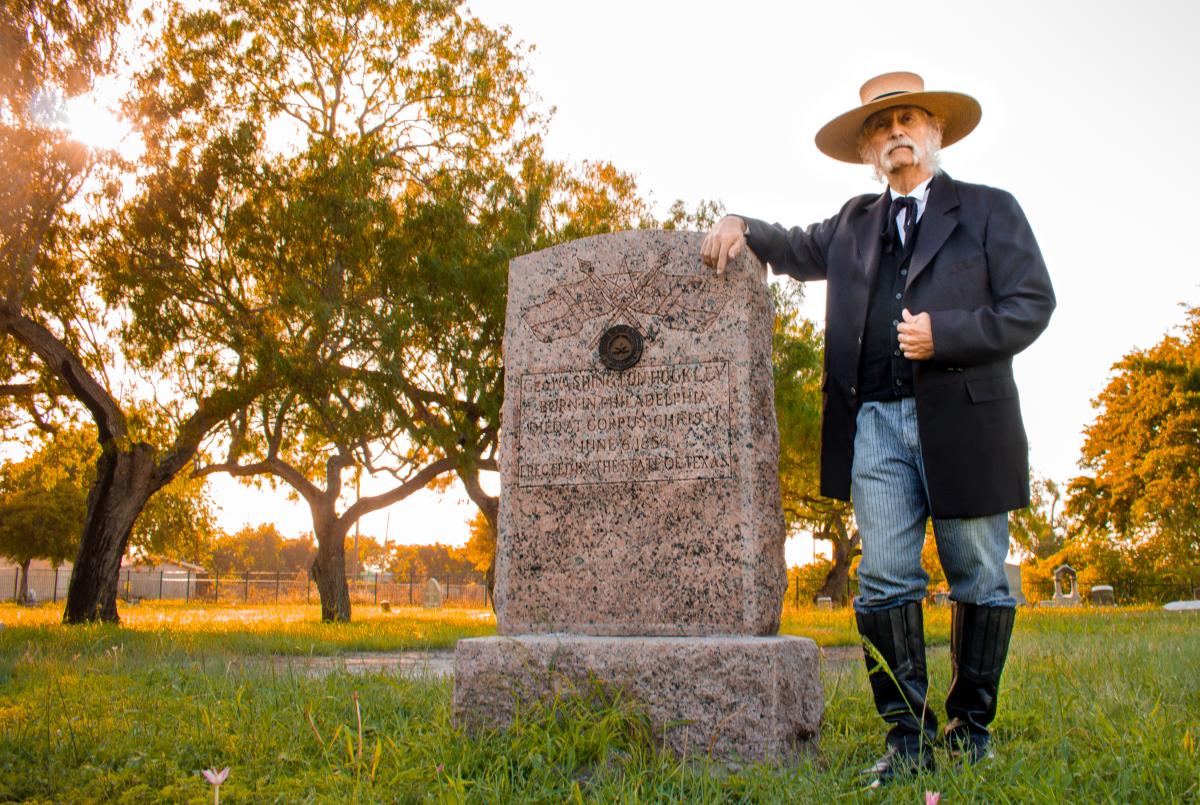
(900,137)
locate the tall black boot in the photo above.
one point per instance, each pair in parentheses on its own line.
(979,638)
(899,635)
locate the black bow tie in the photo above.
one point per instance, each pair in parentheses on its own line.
(909,205)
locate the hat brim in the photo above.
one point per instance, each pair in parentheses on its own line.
(959,114)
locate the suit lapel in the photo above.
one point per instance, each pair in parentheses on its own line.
(937,223)
(867,236)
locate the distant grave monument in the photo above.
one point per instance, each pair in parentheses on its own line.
(641,536)
(432,595)
(1013,573)
(1066,588)
(1101,595)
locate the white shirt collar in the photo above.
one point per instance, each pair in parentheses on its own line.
(920,193)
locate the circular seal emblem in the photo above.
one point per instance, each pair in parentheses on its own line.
(620,347)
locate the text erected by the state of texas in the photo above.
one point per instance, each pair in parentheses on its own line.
(649,423)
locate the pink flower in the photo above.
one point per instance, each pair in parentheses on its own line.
(216,777)
(441,767)
(933,797)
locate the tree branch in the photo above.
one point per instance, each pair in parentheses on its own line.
(110,420)
(418,481)
(311,493)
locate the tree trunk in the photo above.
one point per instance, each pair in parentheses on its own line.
(837,581)
(23,589)
(329,572)
(124,482)
(489,579)
(845,546)
(490,506)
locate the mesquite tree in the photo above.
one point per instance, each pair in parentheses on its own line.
(287,144)
(50,311)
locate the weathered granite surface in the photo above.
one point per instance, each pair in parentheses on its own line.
(641,538)
(642,500)
(753,698)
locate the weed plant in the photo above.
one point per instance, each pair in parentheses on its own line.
(1097,706)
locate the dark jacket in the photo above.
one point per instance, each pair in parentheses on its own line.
(978,272)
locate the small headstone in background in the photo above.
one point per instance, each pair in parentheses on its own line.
(1066,588)
(432,597)
(1013,572)
(385,606)
(824,602)
(1102,595)
(1182,606)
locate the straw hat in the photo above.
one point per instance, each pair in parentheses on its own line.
(958,113)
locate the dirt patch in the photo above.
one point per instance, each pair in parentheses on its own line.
(434,663)
(404,663)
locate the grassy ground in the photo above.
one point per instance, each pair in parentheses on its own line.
(835,627)
(205,629)
(1098,706)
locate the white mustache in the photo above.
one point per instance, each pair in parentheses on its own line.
(901,142)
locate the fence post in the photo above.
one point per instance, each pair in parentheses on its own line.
(160,580)
(797,591)
(246,585)
(410,582)
(187,589)
(216,588)
(276,586)
(55,595)
(376,586)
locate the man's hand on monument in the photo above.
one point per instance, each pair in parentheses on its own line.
(916,336)
(724,243)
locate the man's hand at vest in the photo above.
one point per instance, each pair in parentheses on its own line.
(724,243)
(916,336)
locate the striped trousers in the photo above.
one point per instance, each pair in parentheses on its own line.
(891,507)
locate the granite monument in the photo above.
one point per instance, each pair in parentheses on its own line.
(641,535)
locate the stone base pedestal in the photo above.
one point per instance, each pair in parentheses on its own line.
(748,698)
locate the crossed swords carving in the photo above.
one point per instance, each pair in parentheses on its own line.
(621,300)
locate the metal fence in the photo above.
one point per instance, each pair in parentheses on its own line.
(298,588)
(803,592)
(249,588)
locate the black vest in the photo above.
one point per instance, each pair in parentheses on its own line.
(883,371)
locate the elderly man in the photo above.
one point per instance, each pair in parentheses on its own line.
(933,286)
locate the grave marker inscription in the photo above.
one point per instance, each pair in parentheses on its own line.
(642,499)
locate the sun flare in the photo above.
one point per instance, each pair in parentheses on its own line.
(94,123)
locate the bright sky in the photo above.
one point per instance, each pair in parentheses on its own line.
(721,101)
